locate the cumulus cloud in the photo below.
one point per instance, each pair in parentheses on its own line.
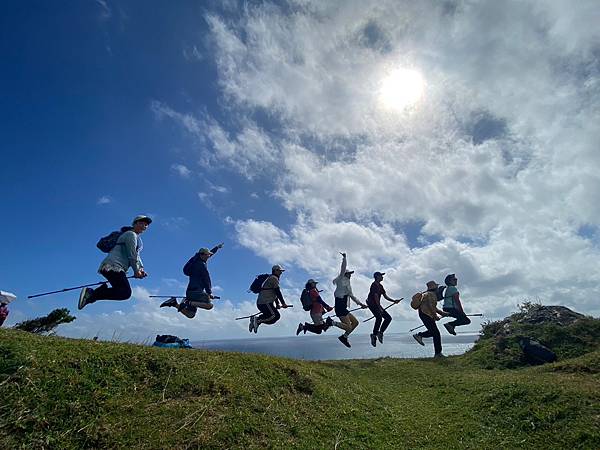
(491,174)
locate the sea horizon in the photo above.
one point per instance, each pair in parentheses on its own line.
(328,347)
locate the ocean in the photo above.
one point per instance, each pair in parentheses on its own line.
(328,347)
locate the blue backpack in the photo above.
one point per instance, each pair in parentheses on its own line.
(107,243)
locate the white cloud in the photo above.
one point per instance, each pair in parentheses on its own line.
(181,170)
(493,171)
(106,12)
(104,200)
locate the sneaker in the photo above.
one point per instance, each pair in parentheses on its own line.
(251,326)
(171,302)
(256,324)
(328,322)
(439,355)
(344,340)
(450,328)
(84,297)
(380,337)
(418,338)
(299,329)
(373,340)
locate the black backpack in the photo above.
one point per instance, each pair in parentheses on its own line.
(306,300)
(107,243)
(187,269)
(258,282)
(439,292)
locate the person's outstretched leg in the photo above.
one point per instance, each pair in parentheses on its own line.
(387,319)
(119,290)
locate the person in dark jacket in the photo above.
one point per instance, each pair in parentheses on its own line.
(199,290)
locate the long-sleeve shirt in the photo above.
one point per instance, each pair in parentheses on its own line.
(125,254)
(318,304)
(270,291)
(197,270)
(342,284)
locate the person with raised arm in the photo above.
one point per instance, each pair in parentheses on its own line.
(199,290)
(343,292)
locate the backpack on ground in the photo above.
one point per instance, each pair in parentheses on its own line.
(107,243)
(416,300)
(306,300)
(258,282)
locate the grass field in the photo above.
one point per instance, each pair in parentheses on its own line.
(64,393)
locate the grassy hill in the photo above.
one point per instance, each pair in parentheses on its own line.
(64,393)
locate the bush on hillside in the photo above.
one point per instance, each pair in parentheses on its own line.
(46,324)
(566,332)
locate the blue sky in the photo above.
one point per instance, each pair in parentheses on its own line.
(269,127)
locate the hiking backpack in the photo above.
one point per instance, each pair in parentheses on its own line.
(187,269)
(107,243)
(416,300)
(439,293)
(306,300)
(258,282)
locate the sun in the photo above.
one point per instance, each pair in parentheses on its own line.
(401,88)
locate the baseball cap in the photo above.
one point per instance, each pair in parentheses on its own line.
(277,267)
(348,272)
(311,281)
(378,274)
(142,218)
(205,251)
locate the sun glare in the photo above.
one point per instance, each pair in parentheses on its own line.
(401,88)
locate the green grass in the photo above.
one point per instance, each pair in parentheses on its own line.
(63,393)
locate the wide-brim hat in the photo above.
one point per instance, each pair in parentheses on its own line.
(432,285)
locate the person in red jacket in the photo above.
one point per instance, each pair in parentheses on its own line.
(316,311)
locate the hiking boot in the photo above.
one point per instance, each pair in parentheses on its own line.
(171,302)
(256,324)
(344,340)
(380,337)
(450,328)
(419,339)
(373,339)
(251,326)
(299,329)
(84,297)
(439,355)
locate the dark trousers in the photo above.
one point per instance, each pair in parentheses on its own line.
(269,315)
(119,290)
(432,331)
(461,318)
(2,319)
(317,329)
(380,315)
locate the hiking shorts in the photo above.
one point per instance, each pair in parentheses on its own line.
(341,306)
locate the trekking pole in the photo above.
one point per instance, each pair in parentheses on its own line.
(468,315)
(175,296)
(387,307)
(247,317)
(71,288)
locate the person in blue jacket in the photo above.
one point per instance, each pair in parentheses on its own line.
(199,290)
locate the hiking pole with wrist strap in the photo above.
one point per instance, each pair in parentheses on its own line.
(352,310)
(176,296)
(387,307)
(71,288)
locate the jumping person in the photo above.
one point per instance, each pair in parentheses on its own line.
(343,291)
(374,303)
(453,306)
(269,300)
(125,254)
(3,312)
(199,290)
(429,314)
(318,307)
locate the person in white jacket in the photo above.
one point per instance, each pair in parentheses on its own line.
(343,291)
